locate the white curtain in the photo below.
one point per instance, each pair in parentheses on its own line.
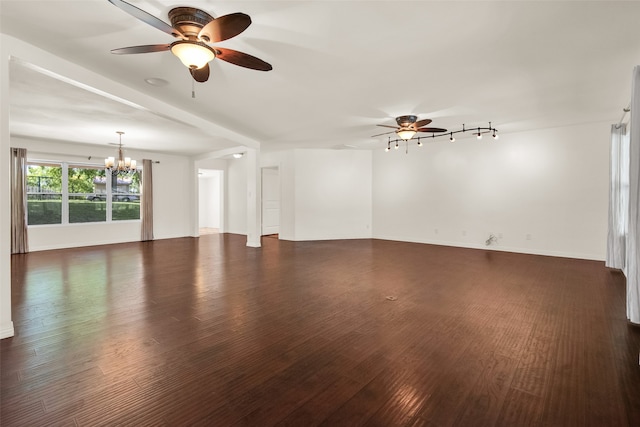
(146,208)
(632,269)
(618,197)
(19,240)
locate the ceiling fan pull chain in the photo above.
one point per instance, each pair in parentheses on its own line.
(193,88)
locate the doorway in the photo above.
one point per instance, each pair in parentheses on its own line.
(270,201)
(209,201)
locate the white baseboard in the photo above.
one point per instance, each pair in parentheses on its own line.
(7,330)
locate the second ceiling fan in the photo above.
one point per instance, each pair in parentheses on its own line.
(409,126)
(195,29)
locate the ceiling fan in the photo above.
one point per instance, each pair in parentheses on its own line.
(195,29)
(408,126)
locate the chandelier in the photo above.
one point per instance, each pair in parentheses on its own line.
(406,134)
(123,165)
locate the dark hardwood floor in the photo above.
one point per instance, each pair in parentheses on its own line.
(210,332)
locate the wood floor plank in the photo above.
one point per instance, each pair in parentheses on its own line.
(207,331)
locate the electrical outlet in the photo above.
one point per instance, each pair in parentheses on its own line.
(464,232)
(435,231)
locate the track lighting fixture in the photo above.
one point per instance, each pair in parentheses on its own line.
(478,131)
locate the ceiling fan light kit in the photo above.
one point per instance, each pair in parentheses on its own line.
(405,134)
(195,28)
(409,126)
(194,55)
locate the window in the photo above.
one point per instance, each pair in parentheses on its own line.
(69,193)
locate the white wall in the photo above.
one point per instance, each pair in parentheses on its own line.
(324,194)
(209,199)
(331,194)
(544,192)
(171,203)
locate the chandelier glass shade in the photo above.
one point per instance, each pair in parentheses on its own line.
(122,165)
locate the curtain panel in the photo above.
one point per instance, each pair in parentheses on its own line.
(632,269)
(146,202)
(618,197)
(19,240)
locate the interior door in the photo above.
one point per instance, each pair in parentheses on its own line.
(270,201)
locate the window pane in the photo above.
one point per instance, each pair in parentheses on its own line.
(87,180)
(43,178)
(87,194)
(83,210)
(44,209)
(44,194)
(125,197)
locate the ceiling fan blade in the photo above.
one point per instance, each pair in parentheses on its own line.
(147,17)
(242,59)
(387,126)
(380,134)
(200,75)
(225,27)
(142,49)
(422,122)
(432,130)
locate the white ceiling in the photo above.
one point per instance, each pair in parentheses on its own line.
(339,68)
